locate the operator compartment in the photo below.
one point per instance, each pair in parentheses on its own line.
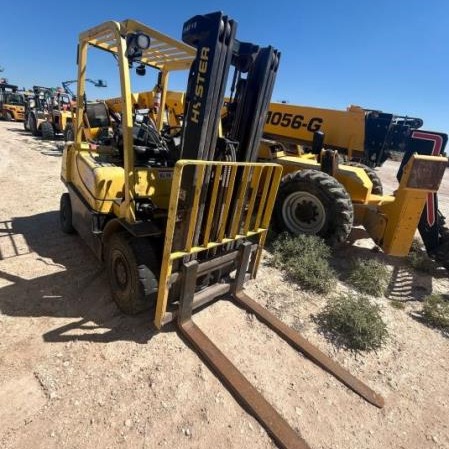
(100,163)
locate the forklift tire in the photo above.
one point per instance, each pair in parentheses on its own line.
(47,131)
(65,214)
(25,125)
(8,116)
(33,125)
(69,133)
(131,267)
(313,202)
(372,175)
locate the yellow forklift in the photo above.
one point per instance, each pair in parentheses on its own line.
(180,226)
(12,102)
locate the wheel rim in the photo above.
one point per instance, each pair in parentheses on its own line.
(120,270)
(303,212)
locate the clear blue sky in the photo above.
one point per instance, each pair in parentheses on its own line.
(384,54)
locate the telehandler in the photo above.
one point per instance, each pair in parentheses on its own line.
(321,196)
(366,138)
(180,226)
(12,102)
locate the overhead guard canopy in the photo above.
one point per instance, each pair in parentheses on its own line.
(165,53)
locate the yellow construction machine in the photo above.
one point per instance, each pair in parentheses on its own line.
(308,141)
(179,226)
(321,196)
(12,102)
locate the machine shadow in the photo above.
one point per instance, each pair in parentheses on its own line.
(18,130)
(76,291)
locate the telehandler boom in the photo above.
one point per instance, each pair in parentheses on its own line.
(178,228)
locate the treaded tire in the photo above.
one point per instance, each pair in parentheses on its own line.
(8,116)
(372,175)
(33,125)
(131,267)
(65,214)
(25,124)
(47,131)
(69,133)
(312,202)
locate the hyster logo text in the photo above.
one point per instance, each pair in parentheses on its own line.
(199,86)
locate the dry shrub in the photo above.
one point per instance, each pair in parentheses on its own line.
(355,322)
(305,258)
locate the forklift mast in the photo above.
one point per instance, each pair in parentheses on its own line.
(252,96)
(213,36)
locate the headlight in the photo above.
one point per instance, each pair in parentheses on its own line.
(143,41)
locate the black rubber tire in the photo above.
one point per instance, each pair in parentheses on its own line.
(8,116)
(372,175)
(132,272)
(48,133)
(25,124)
(33,125)
(65,214)
(326,208)
(69,133)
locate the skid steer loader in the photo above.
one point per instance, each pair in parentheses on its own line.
(179,227)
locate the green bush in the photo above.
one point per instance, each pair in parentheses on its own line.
(355,322)
(369,276)
(436,311)
(305,258)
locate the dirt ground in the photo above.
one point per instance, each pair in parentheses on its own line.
(76,373)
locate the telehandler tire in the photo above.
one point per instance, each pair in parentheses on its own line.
(312,202)
(65,214)
(131,267)
(69,133)
(47,131)
(372,175)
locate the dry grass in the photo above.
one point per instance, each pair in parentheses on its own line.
(435,311)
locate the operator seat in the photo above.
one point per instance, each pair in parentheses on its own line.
(97,121)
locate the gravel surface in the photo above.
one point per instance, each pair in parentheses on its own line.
(76,373)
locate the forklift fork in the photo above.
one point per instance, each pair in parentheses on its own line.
(244,392)
(245,220)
